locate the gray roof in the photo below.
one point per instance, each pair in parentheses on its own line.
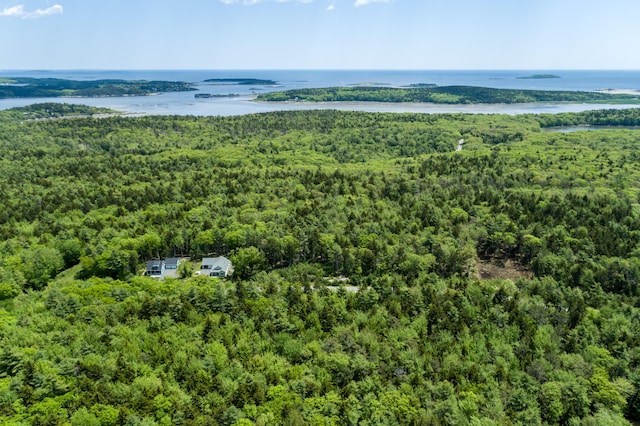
(216,263)
(155,268)
(172,261)
(155,265)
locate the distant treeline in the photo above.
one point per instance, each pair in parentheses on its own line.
(604,117)
(443,95)
(52,110)
(23,87)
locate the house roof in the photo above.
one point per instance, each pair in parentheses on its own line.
(172,261)
(216,263)
(154,265)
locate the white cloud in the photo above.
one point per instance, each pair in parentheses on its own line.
(331,7)
(20,12)
(13,11)
(359,3)
(56,9)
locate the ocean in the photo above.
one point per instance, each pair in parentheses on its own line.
(184,103)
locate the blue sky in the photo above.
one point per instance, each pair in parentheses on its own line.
(319,34)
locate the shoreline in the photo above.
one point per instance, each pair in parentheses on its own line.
(619,91)
(436,108)
(143,95)
(184,104)
(445,105)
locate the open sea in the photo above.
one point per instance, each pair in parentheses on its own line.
(184,103)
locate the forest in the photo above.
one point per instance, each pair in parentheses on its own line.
(51,110)
(443,95)
(381,276)
(26,87)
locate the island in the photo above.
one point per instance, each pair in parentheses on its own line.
(26,87)
(445,95)
(211,95)
(538,77)
(242,81)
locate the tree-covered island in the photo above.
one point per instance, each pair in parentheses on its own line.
(537,77)
(381,276)
(25,87)
(242,81)
(443,95)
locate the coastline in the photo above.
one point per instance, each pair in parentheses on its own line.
(183,103)
(619,91)
(437,108)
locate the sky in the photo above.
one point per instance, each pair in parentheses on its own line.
(319,34)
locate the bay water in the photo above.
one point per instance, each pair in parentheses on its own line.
(185,103)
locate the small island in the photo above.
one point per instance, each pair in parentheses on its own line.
(537,77)
(242,81)
(212,95)
(444,95)
(25,87)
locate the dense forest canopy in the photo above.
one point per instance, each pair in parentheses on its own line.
(444,95)
(381,276)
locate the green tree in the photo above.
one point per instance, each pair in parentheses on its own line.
(247,261)
(11,283)
(40,265)
(185,269)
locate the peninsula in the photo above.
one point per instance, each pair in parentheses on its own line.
(445,95)
(25,87)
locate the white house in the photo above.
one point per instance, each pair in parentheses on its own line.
(216,267)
